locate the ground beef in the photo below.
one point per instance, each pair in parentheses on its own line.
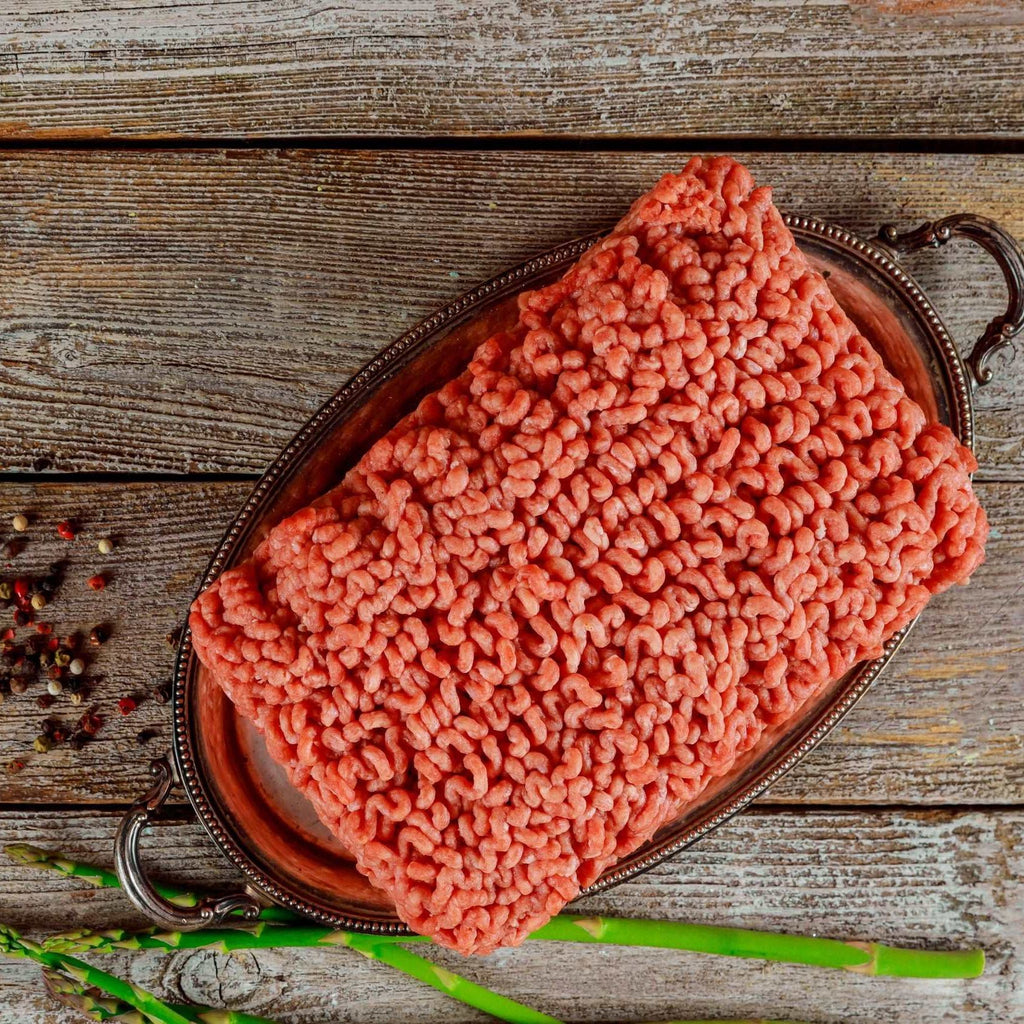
(539,615)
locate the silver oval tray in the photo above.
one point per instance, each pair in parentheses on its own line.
(263,825)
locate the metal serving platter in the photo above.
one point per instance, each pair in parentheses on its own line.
(263,825)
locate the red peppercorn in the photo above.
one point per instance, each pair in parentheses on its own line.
(44,628)
(8,634)
(52,644)
(21,589)
(126,705)
(90,723)
(66,530)
(13,767)
(97,582)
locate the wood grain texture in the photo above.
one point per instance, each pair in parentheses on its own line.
(944,724)
(187,311)
(612,68)
(925,879)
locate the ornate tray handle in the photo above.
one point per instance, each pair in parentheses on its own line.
(177,916)
(1004,249)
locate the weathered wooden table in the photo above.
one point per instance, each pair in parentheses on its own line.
(212,213)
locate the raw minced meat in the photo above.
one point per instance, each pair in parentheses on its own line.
(540,614)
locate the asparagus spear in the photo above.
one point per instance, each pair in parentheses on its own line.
(13,945)
(33,856)
(862,958)
(74,994)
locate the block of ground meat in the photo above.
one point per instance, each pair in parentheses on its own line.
(555,601)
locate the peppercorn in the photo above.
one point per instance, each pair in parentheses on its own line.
(6,591)
(126,705)
(54,687)
(162,693)
(45,700)
(173,638)
(49,724)
(60,735)
(38,601)
(77,667)
(42,744)
(21,617)
(20,522)
(62,657)
(13,767)
(52,644)
(21,589)
(13,548)
(105,546)
(66,530)
(75,698)
(8,648)
(97,582)
(47,587)
(43,629)
(145,735)
(19,684)
(90,723)
(98,635)
(55,672)
(78,740)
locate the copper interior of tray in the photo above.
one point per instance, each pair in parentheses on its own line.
(269,821)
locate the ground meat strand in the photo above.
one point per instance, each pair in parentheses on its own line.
(555,601)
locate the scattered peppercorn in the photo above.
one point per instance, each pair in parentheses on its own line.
(90,723)
(126,705)
(173,638)
(42,463)
(162,693)
(20,522)
(6,591)
(21,617)
(145,735)
(54,687)
(19,684)
(42,744)
(13,548)
(13,767)
(62,657)
(105,546)
(98,635)
(38,601)
(44,628)
(97,582)
(75,697)
(45,700)
(60,735)
(21,589)
(77,666)
(66,530)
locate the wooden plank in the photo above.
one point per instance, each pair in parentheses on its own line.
(944,725)
(739,67)
(184,311)
(934,879)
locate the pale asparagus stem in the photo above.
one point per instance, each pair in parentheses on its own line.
(74,994)
(862,958)
(13,945)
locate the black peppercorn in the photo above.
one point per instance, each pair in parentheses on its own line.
(162,693)
(78,740)
(21,617)
(45,700)
(145,735)
(98,635)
